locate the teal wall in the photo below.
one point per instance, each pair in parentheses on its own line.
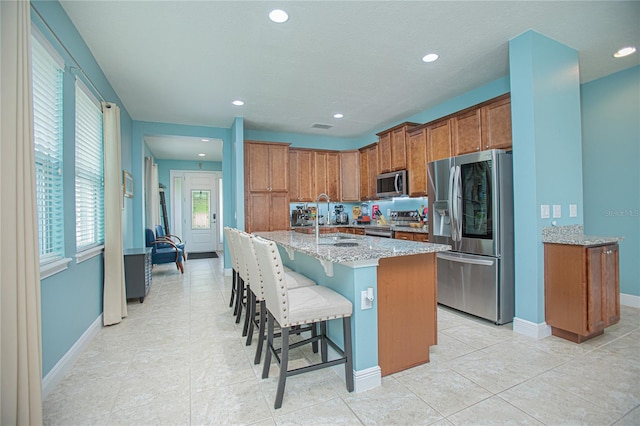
(547,154)
(71,300)
(611,164)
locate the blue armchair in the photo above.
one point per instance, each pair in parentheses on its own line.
(160,235)
(163,251)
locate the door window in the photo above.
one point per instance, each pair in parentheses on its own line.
(200,209)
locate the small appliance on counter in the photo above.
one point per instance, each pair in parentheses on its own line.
(301,216)
(342,218)
(364,214)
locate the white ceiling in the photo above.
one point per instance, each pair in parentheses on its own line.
(184,148)
(185,61)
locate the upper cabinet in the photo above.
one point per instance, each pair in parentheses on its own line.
(350,175)
(467,133)
(327,174)
(301,175)
(268,169)
(439,140)
(368,172)
(417,162)
(496,123)
(392,148)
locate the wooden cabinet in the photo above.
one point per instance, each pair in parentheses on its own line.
(350,175)
(467,132)
(349,230)
(439,138)
(137,272)
(411,236)
(496,123)
(266,166)
(368,172)
(582,289)
(301,175)
(417,162)
(393,148)
(327,174)
(266,192)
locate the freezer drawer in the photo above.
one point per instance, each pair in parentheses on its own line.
(469,283)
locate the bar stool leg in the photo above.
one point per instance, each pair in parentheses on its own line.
(323,341)
(261,329)
(348,365)
(267,355)
(233,289)
(284,366)
(239,299)
(251,307)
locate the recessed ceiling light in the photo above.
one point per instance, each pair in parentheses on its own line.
(204,140)
(201,155)
(238,102)
(431,57)
(278,16)
(338,115)
(625,51)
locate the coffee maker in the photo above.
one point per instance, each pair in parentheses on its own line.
(300,216)
(342,218)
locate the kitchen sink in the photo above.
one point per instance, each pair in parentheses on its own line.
(337,240)
(346,244)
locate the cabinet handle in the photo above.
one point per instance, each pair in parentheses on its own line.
(608,252)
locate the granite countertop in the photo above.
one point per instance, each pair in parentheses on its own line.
(368,248)
(574,235)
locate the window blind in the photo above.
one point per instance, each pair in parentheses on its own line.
(89,171)
(47,69)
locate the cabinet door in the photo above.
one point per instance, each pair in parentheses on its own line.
(257,218)
(420,237)
(333,175)
(294,179)
(372,156)
(278,168)
(305,175)
(320,173)
(350,175)
(384,152)
(496,124)
(417,163)
(611,285)
(467,134)
(364,174)
(400,235)
(439,141)
(398,149)
(595,289)
(257,166)
(279,212)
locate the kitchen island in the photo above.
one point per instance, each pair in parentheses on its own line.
(392,332)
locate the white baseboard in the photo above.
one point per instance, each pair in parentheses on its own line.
(531,329)
(56,374)
(227,272)
(363,380)
(630,300)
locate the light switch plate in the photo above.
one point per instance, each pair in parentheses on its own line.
(544,211)
(365,303)
(573,210)
(557,211)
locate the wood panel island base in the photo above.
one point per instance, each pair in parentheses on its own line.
(396,331)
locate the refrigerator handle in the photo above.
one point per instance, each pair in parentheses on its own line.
(482,262)
(459,203)
(450,203)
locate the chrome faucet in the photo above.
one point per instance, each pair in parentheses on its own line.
(318,214)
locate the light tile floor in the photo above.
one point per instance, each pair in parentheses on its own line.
(179,359)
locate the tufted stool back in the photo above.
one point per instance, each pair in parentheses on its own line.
(274,279)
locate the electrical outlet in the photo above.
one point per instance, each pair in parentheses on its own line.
(573,210)
(365,302)
(544,211)
(557,211)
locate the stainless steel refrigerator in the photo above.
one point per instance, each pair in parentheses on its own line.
(471,209)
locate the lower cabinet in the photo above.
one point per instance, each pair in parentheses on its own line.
(354,231)
(582,289)
(411,236)
(137,272)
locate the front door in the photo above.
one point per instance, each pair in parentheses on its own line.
(200,212)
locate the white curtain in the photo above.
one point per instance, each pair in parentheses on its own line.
(20,343)
(151,194)
(114,302)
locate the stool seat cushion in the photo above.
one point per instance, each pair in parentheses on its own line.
(313,304)
(296,279)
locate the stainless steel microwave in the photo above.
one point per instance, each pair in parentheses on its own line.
(392,184)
